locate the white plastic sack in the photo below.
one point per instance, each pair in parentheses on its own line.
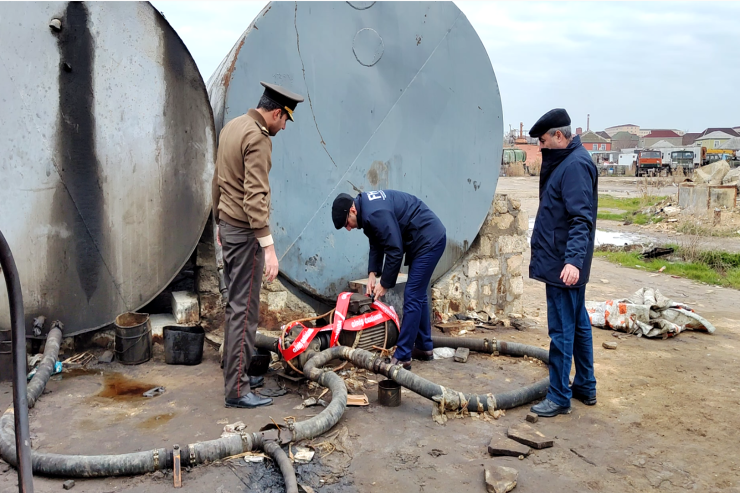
(646,313)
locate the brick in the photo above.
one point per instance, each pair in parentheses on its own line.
(493,267)
(158,322)
(461,354)
(532,417)
(472,289)
(516,286)
(523,433)
(503,221)
(472,268)
(501,445)
(514,265)
(610,345)
(500,205)
(69,484)
(511,244)
(522,222)
(185,307)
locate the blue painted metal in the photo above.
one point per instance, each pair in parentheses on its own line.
(399,95)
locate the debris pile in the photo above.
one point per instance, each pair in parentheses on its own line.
(646,313)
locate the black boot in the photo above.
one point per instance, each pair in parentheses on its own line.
(406,364)
(249,401)
(548,409)
(255,382)
(422,355)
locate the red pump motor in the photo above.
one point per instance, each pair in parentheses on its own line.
(358,322)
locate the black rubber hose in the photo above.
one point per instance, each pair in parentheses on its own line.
(333,412)
(430,390)
(277,454)
(90,466)
(20,364)
(46,366)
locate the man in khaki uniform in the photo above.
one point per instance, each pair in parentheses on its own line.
(241,208)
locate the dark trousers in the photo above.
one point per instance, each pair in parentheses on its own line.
(416,326)
(569,328)
(244,261)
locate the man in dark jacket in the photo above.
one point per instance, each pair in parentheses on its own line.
(562,249)
(397,223)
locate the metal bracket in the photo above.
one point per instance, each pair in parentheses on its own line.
(155,458)
(191,449)
(176,470)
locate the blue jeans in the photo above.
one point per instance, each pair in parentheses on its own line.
(569,328)
(416,326)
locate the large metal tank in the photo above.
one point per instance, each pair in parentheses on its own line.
(107,147)
(399,95)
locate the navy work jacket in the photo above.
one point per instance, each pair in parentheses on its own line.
(565,228)
(396,223)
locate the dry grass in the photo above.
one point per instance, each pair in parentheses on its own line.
(515,169)
(535,167)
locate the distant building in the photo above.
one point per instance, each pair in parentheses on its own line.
(714,140)
(624,140)
(727,130)
(593,142)
(657,135)
(629,127)
(688,138)
(579,130)
(604,135)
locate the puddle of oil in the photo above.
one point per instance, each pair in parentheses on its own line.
(120,387)
(155,421)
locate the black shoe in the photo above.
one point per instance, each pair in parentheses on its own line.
(422,355)
(548,409)
(589,401)
(248,401)
(255,382)
(406,364)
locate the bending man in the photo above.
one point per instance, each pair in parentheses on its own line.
(397,223)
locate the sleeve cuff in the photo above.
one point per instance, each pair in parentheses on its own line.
(266,241)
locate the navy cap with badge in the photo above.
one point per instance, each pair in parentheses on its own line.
(280,95)
(552,119)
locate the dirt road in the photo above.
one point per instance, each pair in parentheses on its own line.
(666,417)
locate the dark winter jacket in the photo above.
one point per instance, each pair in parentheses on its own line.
(565,227)
(396,223)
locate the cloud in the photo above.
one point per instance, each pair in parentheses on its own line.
(661,64)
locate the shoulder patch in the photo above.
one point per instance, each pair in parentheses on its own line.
(263,129)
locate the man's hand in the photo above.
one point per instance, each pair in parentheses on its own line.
(379,291)
(271,263)
(218,235)
(570,274)
(370,284)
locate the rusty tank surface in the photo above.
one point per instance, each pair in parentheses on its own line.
(398,95)
(108,149)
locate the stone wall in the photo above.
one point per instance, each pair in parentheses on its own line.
(489,277)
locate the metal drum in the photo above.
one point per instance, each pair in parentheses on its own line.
(399,95)
(107,155)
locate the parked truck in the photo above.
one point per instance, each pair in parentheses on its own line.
(649,162)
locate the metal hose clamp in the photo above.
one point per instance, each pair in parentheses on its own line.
(246,440)
(191,450)
(155,457)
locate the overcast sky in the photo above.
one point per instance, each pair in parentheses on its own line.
(657,65)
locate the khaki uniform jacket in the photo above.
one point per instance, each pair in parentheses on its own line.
(241,188)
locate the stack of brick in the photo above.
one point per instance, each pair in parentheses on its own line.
(489,276)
